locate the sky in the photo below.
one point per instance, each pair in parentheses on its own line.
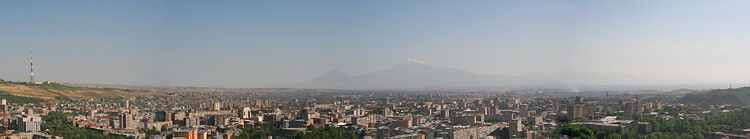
(232,43)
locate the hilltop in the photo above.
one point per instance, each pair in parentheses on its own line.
(737,96)
(56,91)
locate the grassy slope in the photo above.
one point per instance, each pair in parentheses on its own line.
(52,91)
(19,99)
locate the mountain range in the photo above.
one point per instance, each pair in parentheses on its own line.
(418,75)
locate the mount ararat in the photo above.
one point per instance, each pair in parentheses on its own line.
(414,74)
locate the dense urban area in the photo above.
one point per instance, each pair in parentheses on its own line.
(200,113)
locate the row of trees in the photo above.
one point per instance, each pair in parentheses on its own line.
(575,132)
(659,135)
(327,133)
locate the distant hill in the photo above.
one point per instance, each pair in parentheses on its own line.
(418,75)
(738,96)
(404,75)
(57,91)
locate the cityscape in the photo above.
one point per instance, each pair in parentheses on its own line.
(374,70)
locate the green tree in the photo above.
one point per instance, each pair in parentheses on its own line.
(574,131)
(614,136)
(57,125)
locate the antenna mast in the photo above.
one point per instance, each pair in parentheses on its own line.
(31,52)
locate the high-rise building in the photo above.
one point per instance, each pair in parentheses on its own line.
(387,112)
(163,116)
(178,116)
(629,110)
(516,128)
(4,106)
(192,121)
(484,110)
(524,110)
(579,100)
(245,113)
(638,107)
(218,120)
(555,105)
(126,104)
(633,108)
(217,106)
(29,123)
(517,125)
(575,111)
(446,113)
(127,121)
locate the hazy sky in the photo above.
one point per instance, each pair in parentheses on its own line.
(230,43)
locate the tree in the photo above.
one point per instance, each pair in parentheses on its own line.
(614,136)
(574,131)
(152,132)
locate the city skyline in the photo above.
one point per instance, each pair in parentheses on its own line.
(193,43)
(372,69)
